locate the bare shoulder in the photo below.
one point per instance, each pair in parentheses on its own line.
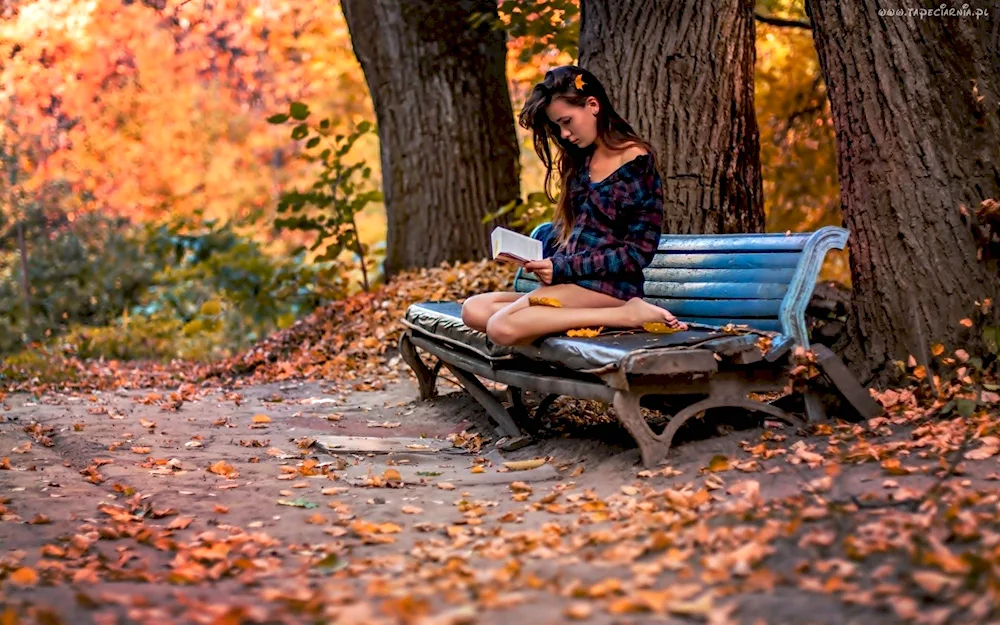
(632,151)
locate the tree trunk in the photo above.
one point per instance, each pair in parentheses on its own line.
(914,104)
(445,123)
(681,72)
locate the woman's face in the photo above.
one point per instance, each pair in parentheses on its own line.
(577,124)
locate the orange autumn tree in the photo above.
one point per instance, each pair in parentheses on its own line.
(142,111)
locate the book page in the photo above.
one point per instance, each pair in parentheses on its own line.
(515,246)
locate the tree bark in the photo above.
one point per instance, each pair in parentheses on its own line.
(449,152)
(915,108)
(681,73)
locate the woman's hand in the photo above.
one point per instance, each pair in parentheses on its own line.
(541,268)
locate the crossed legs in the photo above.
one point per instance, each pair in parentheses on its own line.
(508,319)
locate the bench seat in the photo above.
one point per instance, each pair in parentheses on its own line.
(610,350)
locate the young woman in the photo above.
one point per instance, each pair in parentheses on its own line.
(607,223)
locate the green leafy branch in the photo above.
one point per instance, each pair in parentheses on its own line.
(338,194)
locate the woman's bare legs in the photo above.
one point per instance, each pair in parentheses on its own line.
(520,323)
(477,309)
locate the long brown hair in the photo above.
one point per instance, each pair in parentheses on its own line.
(574,85)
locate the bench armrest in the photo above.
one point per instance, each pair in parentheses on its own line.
(793,306)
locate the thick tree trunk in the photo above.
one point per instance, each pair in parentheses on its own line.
(681,72)
(915,103)
(445,122)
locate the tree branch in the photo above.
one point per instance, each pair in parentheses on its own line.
(779,21)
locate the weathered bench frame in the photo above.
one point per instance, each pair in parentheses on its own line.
(726,374)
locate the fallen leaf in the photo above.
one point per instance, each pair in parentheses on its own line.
(990,446)
(180,523)
(523,465)
(23,448)
(261,418)
(140,450)
(24,576)
(585,332)
(220,509)
(544,301)
(297,503)
(446,486)
(578,611)
(893,466)
(223,468)
(408,509)
(747,488)
(933,582)
(701,606)
(718,464)
(658,327)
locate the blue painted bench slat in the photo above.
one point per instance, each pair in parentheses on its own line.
(736,260)
(750,308)
(684,274)
(730,243)
(655,288)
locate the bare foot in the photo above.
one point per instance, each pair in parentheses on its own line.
(638,311)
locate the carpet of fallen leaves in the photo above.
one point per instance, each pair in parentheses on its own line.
(896,519)
(198,505)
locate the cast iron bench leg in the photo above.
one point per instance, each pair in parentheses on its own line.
(505,424)
(654,447)
(815,410)
(845,381)
(426,377)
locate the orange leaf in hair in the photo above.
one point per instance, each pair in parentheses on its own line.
(579,82)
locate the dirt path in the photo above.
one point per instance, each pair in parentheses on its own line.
(210,506)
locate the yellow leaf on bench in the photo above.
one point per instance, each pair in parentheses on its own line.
(585,332)
(658,327)
(544,301)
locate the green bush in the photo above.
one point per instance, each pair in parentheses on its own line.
(89,271)
(180,289)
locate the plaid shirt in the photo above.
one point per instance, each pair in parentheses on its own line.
(617,229)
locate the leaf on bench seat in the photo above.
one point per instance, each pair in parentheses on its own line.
(731,328)
(764,345)
(585,332)
(544,301)
(658,327)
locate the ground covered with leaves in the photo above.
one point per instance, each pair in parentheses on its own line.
(214,505)
(206,495)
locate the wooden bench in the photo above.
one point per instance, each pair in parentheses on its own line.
(743,296)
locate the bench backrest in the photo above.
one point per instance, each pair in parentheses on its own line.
(764,281)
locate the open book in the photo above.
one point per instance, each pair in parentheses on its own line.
(513,247)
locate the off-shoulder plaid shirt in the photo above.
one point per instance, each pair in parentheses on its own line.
(617,229)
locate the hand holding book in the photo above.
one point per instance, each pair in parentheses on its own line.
(541,268)
(512,247)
